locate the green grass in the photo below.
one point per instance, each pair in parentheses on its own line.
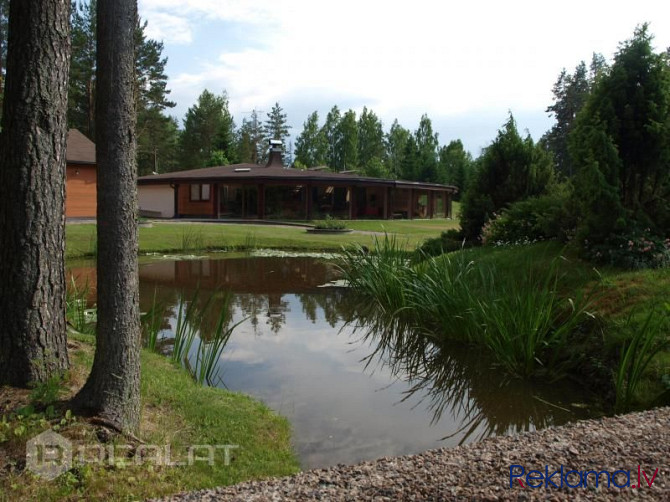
(175,411)
(179,237)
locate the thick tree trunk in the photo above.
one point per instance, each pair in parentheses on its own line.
(33,345)
(113,388)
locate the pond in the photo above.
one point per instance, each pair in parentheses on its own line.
(305,349)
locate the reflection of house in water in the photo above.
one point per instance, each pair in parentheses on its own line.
(241,275)
(258,283)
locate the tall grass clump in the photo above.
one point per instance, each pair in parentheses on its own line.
(644,342)
(192,239)
(191,325)
(382,276)
(77,313)
(151,323)
(524,320)
(515,312)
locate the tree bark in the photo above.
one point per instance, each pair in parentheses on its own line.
(33,345)
(112,390)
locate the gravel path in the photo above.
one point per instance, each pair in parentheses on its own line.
(481,471)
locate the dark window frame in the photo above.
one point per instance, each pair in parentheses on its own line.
(200,190)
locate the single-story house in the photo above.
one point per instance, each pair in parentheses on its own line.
(81,177)
(251,191)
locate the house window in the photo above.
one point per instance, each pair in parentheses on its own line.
(199,193)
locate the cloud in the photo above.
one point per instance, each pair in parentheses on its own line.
(398,58)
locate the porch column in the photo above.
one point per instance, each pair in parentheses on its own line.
(385,201)
(308,201)
(352,201)
(215,200)
(431,204)
(244,201)
(261,201)
(447,204)
(410,213)
(176,200)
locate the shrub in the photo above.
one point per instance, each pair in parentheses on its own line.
(635,250)
(549,216)
(447,242)
(330,223)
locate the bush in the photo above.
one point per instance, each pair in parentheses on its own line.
(635,250)
(330,223)
(447,242)
(535,219)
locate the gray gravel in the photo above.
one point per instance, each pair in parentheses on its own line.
(480,471)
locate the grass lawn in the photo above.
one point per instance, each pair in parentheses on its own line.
(165,237)
(175,411)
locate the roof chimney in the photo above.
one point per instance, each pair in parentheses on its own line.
(275,159)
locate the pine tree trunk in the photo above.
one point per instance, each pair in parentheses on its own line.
(112,390)
(33,345)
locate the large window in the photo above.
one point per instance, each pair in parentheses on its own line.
(199,192)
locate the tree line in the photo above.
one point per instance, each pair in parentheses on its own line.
(600,178)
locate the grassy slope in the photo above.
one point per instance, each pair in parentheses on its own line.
(618,293)
(175,411)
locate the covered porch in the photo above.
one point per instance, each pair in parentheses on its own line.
(311,200)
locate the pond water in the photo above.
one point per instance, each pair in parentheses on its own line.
(304,349)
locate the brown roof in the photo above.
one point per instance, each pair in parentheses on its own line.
(259,174)
(80,149)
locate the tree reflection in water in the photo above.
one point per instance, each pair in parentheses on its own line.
(462,381)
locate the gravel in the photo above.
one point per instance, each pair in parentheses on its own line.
(481,471)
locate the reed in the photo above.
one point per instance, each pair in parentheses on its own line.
(192,239)
(77,313)
(151,322)
(645,341)
(191,326)
(516,313)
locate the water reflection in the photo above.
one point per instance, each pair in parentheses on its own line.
(354,385)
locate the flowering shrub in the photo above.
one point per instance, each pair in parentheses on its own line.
(638,249)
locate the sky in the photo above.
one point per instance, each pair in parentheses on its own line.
(465,64)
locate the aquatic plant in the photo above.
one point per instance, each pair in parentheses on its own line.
(517,313)
(151,323)
(191,326)
(645,342)
(77,313)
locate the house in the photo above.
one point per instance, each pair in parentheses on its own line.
(251,191)
(80,177)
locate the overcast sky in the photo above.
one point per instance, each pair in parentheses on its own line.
(465,63)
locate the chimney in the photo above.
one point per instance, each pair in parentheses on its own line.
(275,159)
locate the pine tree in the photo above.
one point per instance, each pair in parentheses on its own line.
(112,390)
(251,141)
(208,134)
(621,145)
(348,142)
(510,169)
(395,142)
(311,146)
(276,126)
(331,132)
(154,131)
(81,97)
(33,342)
(454,166)
(427,144)
(370,143)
